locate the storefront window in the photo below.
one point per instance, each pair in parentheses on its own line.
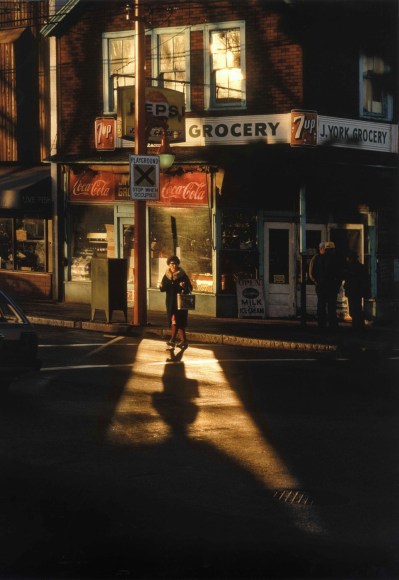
(92,235)
(23,244)
(187,233)
(239,257)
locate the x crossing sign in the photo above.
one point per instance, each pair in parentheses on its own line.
(144,177)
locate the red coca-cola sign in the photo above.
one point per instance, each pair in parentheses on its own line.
(92,186)
(187,189)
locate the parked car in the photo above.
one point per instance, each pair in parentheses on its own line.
(18,338)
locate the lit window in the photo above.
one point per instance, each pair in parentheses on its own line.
(172,61)
(226,67)
(375,97)
(172,65)
(119,66)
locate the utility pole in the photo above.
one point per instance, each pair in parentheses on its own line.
(140,148)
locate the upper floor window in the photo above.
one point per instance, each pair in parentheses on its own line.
(118,66)
(225,66)
(375,98)
(171,66)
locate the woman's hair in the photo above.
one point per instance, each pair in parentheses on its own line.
(174,259)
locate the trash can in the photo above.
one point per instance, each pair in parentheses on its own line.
(108,286)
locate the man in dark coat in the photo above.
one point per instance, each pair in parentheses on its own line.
(175,281)
(324,271)
(356,288)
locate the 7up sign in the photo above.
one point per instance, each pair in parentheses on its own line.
(303,127)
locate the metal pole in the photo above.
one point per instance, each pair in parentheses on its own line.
(302,250)
(140,148)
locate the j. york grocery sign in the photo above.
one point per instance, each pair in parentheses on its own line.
(297,128)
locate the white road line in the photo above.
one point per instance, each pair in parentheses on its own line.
(191,362)
(88,344)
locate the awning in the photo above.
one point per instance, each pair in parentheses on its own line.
(10,35)
(26,190)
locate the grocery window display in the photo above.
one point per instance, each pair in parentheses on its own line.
(239,257)
(91,236)
(187,233)
(24,244)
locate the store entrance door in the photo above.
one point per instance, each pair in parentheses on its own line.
(347,237)
(126,250)
(283,266)
(279,270)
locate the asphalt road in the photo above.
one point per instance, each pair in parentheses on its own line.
(118,462)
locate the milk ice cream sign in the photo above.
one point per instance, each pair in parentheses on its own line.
(250,298)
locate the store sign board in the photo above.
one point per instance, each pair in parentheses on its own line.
(144,177)
(357,134)
(250,298)
(303,128)
(122,187)
(92,186)
(309,128)
(189,189)
(164,108)
(237,130)
(105,133)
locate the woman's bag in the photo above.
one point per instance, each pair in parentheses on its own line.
(186,301)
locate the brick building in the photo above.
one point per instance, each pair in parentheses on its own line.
(25,190)
(288,137)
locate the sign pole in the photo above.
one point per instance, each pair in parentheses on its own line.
(140,148)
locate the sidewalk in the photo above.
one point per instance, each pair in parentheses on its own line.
(276,334)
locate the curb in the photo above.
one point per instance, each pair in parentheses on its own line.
(202,337)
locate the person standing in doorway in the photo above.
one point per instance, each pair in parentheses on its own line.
(356,286)
(324,271)
(175,281)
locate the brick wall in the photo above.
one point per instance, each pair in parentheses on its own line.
(26,284)
(273,63)
(292,56)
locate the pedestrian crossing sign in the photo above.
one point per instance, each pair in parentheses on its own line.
(144,177)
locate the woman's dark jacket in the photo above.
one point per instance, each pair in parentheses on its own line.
(170,284)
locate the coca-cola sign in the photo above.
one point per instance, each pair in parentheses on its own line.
(104,187)
(187,189)
(92,187)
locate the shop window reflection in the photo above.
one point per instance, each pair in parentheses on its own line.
(239,257)
(92,236)
(187,233)
(23,244)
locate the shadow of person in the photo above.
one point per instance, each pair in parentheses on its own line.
(175,404)
(175,357)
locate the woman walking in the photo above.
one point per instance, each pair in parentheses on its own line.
(175,281)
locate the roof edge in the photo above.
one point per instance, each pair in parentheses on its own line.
(50,29)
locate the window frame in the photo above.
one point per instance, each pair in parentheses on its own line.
(387,102)
(155,52)
(107,83)
(209,93)
(36,246)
